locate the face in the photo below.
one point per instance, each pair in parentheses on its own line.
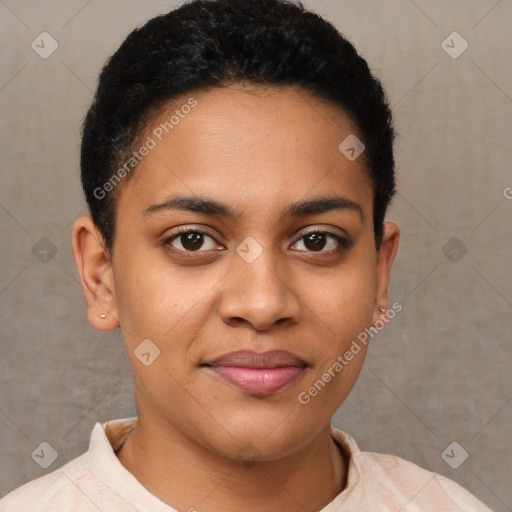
(245,253)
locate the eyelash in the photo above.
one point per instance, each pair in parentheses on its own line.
(344,243)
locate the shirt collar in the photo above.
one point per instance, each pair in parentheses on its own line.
(107,438)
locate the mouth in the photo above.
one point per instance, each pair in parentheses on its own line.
(258,373)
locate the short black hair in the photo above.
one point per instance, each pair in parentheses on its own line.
(212,43)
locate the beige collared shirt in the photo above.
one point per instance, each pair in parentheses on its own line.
(97,482)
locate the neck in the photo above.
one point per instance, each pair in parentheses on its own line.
(189,477)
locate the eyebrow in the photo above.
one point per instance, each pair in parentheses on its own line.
(212,207)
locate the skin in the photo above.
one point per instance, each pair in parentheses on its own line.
(257,151)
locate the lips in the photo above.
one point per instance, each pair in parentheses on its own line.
(259,373)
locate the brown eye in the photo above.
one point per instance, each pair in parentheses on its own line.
(320,241)
(315,241)
(191,241)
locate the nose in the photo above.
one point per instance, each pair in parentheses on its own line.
(259,294)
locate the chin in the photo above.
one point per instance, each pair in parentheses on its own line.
(263,439)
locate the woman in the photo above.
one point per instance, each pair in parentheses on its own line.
(238,164)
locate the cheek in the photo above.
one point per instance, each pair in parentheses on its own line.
(158,301)
(143,300)
(344,300)
(353,300)
(342,309)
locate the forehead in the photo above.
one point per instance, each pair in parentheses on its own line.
(248,146)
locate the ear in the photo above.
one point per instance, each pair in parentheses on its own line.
(385,257)
(94,267)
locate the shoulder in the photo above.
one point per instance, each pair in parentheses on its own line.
(81,483)
(421,487)
(391,480)
(49,491)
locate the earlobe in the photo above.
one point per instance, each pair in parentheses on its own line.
(385,257)
(96,276)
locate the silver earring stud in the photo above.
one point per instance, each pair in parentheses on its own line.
(102,315)
(382,310)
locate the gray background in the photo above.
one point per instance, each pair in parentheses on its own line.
(439,372)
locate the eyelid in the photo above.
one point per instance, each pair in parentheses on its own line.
(319,228)
(327,230)
(190,228)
